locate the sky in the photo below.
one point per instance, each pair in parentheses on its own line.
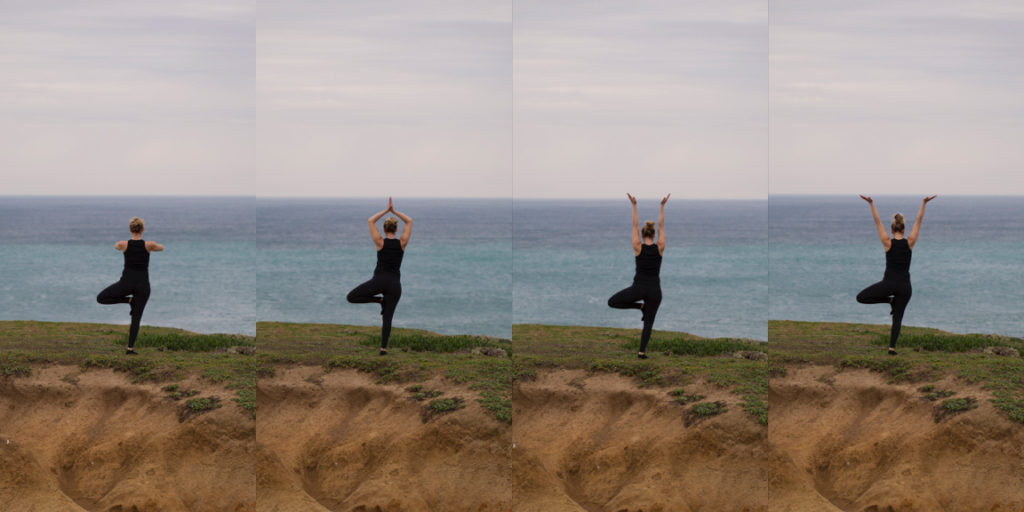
(321,98)
(649,97)
(907,97)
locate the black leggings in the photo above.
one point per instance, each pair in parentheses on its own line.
(391,289)
(630,298)
(119,292)
(881,292)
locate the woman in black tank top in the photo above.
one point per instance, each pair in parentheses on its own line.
(133,288)
(645,293)
(385,288)
(894,288)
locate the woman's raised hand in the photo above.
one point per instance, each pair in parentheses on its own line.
(631,199)
(929,198)
(391,206)
(867,198)
(665,199)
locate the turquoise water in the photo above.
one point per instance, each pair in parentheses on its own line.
(570,256)
(967,270)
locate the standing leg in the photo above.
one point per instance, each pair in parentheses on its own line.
(390,302)
(651,303)
(899,304)
(139,298)
(116,293)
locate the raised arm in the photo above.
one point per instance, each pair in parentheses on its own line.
(636,226)
(661,225)
(882,235)
(912,239)
(154,247)
(372,223)
(406,220)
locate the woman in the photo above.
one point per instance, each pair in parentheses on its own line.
(894,288)
(645,294)
(385,288)
(133,288)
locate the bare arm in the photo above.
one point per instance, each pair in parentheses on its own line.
(912,239)
(406,229)
(121,245)
(378,240)
(661,225)
(636,226)
(882,235)
(154,247)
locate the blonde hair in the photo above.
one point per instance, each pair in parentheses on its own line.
(136,225)
(390,225)
(897,223)
(648,230)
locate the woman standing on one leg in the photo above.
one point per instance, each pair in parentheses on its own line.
(385,288)
(894,288)
(645,293)
(133,288)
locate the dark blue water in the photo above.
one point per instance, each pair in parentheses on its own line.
(967,269)
(570,256)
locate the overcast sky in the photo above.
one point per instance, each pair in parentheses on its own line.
(353,98)
(646,96)
(906,97)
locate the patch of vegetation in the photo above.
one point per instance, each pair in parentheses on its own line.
(386,370)
(203,404)
(141,368)
(935,342)
(898,370)
(174,392)
(439,406)
(649,374)
(680,396)
(1013,407)
(703,410)
(436,342)
(932,394)
(13,367)
(686,346)
(959,404)
(189,342)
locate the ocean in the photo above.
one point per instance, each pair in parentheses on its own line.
(570,256)
(967,269)
(232,261)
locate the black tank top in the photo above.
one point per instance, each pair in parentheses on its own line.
(136,257)
(648,265)
(389,257)
(897,260)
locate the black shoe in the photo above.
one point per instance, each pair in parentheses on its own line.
(892,352)
(641,355)
(383,352)
(131,352)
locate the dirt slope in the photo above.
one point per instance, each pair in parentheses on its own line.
(94,441)
(601,444)
(849,441)
(340,442)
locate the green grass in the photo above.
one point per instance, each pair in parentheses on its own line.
(951,342)
(101,346)
(420,342)
(446,404)
(688,346)
(203,404)
(705,409)
(959,404)
(190,342)
(414,356)
(675,359)
(925,355)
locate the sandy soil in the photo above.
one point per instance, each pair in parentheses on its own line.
(601,444)
(93,441)
(849,441)
(340,442)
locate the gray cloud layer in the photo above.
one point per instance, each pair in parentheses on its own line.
(897,97)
